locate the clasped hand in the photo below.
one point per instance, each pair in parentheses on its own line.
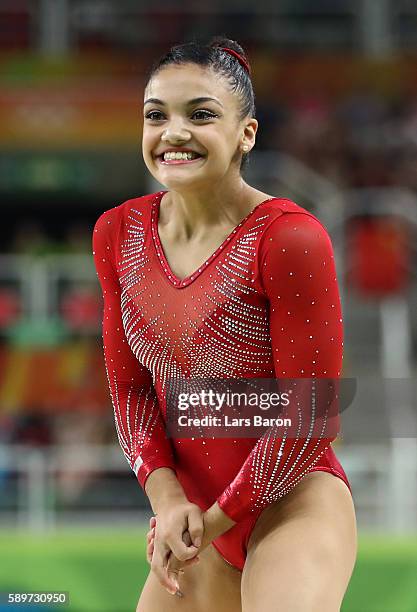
(173,542)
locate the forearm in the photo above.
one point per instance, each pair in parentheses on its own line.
(163,487)
(216,522)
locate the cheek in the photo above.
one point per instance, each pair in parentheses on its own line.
(149,144)
(146,138)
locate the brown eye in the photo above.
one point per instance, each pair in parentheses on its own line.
(208,114)
(148,116)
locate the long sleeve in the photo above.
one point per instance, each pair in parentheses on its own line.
(297,273)
(137,415)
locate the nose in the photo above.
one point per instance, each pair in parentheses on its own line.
(175,133)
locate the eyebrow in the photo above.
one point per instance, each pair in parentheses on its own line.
(189,103)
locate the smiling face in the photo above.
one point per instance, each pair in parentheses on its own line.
(177,118)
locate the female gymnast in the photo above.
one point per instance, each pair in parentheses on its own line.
(214,278)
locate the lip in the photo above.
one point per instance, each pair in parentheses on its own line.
(178,162)
(178,150)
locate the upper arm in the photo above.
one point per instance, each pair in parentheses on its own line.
(298,274)
(121,363)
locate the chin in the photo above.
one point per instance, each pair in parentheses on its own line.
(182,177)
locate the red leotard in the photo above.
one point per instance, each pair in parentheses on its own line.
(265,304)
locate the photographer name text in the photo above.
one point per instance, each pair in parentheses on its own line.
(227,421)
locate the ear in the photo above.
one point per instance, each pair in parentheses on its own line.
(249,134)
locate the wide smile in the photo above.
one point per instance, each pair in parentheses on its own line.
(178,162)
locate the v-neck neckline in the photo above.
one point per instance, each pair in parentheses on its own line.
(173,278)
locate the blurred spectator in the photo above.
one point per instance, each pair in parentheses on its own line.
(362,109)
(78,238)
(73,435)
(30,238)
(32,429)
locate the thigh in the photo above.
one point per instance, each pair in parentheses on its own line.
(302,550)
(212,585)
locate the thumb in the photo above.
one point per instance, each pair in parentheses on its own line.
(173,569)
(186,538)
(196,526)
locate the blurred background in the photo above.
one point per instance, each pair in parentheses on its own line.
(336,94)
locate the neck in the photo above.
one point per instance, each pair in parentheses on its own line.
(190,214)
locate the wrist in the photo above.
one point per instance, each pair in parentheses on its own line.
(216,522)
(163,489)
(167,501)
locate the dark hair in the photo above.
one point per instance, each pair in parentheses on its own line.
(223,63)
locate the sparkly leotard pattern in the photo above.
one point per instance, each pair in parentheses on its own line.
(265,304)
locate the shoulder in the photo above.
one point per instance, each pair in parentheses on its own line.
(286,211)
(295,248)
(107,228)
(292,228)
(109,222)
(286,216)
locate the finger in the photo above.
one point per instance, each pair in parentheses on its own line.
(149,546)
(175,568)
(173,576)
(174,564)
(149,554)
(150,535)
(186,538)
(182,549)
(195,526)
(149,551)
(158,566)
(152,522)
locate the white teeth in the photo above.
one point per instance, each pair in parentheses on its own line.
(178,155)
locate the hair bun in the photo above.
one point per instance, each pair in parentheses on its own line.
(232,47)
